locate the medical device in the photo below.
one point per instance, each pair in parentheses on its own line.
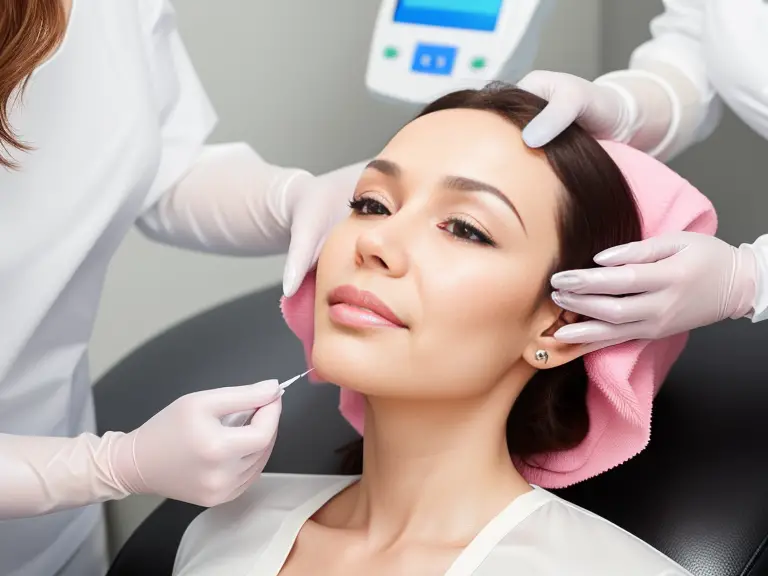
(244,418)
(424,49)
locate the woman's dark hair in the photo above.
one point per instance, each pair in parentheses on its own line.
(598,211)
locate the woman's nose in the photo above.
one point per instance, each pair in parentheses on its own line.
(382,247)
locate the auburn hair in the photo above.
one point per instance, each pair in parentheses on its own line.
(30,30)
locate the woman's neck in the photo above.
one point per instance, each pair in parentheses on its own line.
(433,471)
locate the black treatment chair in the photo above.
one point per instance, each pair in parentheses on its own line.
(698,493)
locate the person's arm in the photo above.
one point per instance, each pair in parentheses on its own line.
(43,475)
(233,202)
(661,105)
(183,453)
(226,198)
(668,78)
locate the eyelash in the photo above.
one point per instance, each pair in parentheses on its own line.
(359,205)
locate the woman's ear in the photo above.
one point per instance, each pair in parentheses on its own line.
(544,351)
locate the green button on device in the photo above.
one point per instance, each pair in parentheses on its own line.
(478,63)
(390,53)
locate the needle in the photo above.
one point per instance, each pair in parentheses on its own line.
(287,383)
(244,418)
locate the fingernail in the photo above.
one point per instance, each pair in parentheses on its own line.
(557,298)
(533,138)
(268,386)
(566,281)
(289,281)
(570,334)
(607,256)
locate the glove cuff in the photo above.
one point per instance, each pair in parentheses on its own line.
(122,466)
(628,122)
(640,101)
(759,251)
(744,284)
(286,192)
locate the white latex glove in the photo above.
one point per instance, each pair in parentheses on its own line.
(183,453)
(604,111)
(656,111)
(670,284)
(314,210)
(234,202)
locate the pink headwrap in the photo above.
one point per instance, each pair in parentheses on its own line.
(623,379)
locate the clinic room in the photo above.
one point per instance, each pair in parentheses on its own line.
(383,287)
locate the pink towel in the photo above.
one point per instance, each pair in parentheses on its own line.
(623,379)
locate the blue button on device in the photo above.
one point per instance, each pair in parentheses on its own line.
(433,59)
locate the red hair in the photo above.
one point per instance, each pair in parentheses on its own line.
(30,30)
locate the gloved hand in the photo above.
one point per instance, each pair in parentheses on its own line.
(315,206)
(183,452)
(234,202)
(670,284)
(602,110)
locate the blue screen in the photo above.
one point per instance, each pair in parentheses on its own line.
(467,14)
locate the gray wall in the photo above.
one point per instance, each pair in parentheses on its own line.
(731,167)
(286,76)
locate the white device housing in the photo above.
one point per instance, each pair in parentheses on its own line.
(455,58)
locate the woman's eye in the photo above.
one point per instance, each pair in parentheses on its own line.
(466,231)
(369,207)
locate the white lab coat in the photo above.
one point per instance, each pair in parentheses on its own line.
(722,47)
(116,116)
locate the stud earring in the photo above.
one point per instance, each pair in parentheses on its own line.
(542,356)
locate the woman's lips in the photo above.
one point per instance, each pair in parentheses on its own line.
(359,309)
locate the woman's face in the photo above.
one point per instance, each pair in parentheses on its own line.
(454,231)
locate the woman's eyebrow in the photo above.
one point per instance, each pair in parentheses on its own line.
(386,167)
(389,168)
(469,185)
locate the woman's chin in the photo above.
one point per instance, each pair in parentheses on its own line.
(354,370)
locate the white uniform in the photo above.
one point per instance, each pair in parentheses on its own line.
(722,47)
(116,117)
(538,534)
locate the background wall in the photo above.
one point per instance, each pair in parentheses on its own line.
(288,78)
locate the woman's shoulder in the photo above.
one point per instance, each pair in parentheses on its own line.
(566,538)
(281,493)
(247,523)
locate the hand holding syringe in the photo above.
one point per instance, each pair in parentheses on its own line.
(244,418)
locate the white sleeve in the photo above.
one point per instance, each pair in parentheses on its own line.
(221,198)
(185,114)
(231,202)
(235,203)
(673,60)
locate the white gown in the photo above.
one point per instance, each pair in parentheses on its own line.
(116,117)
(538,534)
